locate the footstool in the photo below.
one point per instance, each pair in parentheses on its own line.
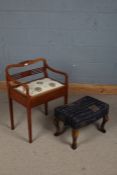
(80,113)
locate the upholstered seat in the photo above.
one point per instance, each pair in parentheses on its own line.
(81,113)
(40,86)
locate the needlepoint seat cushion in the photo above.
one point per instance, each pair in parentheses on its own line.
(82,112)
(40,86)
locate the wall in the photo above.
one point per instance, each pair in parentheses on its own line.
(77,36)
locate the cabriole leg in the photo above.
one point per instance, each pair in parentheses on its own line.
(105,119)
(75,134)
(56,122)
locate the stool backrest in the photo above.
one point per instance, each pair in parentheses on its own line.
(30,72)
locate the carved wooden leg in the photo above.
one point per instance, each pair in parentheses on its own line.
(105,119)
(59,130)
(11,113)
(29,124)
(56,122)
(46,108)
(75,134)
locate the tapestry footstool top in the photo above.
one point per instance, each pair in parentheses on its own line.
(82,112)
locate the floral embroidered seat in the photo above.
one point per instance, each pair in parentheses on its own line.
(34,86)
(40,86)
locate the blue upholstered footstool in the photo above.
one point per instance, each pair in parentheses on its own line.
(80,113)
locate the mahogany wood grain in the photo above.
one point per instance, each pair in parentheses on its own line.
(26,99)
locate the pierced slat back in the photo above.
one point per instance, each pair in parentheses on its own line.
(28,73)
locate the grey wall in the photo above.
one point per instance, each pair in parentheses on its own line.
(77,36)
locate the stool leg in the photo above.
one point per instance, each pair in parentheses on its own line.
(29,124)
(75,134)
(56,122)
(66,99)
(105,119)
(46,108)
(11,113)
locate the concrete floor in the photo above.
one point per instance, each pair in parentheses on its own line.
(50,155)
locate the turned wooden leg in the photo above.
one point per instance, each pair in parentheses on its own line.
(56,122)
(29,124)
(75,134)
(105,119)
(46,108)
(11,113)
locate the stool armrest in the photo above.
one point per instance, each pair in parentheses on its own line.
(59,72)
(12,83)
